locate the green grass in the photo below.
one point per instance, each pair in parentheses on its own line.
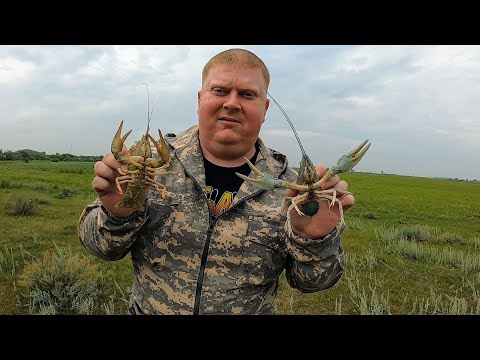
(395,199)
(432,270)
(53,222)
(401,201)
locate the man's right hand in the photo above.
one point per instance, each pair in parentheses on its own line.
(105,186)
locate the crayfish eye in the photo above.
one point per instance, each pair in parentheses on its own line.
(132,167)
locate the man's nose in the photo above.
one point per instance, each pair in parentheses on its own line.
(232,101)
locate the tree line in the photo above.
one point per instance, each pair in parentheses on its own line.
(26,155)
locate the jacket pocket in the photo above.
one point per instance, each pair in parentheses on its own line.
(264,252)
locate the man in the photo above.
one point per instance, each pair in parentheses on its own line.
(216,244)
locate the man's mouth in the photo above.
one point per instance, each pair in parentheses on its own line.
(229,119)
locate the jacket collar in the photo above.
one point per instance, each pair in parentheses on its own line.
(187,149)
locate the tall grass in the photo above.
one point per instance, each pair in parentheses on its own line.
(398,240)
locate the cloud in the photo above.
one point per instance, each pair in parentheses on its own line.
(361,100)
(417,104)
(13,71)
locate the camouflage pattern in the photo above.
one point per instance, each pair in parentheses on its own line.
(185,264)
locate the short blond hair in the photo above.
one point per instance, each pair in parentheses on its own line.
(240,57)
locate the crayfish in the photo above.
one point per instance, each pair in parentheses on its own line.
(308,183)
(142,166)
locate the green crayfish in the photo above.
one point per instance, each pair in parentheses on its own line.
(142,166)
(308,183)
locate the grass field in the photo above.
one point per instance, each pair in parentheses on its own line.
(412,244)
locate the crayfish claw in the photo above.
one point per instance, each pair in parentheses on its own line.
(347,162)
(266,182)
(118,141)
(355,151)
(254,168)
(161,146)
(262,181)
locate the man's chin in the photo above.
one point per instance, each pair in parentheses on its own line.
(227,137)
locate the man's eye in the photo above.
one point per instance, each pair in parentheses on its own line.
(218,91)
(249,94)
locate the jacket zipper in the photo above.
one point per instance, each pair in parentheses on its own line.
(212,222)
(198,289)
(201,274)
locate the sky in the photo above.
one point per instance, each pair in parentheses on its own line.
(418,105)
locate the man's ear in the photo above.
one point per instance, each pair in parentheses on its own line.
(267,105)
(199,95)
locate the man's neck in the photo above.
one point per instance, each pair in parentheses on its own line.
(227,162)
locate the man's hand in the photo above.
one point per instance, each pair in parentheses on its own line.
(325,220)
(105,186)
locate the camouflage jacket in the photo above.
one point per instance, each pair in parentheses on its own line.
(186,263)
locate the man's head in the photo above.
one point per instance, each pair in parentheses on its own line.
(232,105)
(237,57)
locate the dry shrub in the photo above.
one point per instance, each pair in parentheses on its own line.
(19,207)
(61,283)
(451,238)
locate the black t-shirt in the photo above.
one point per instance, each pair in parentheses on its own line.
(223,184)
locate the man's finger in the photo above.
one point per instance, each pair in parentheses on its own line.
(101,185)
(347,201)
(103,170)
(341,185)
(291,193)
(330,183)
(320,169)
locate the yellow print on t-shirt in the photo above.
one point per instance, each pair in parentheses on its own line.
(219,207)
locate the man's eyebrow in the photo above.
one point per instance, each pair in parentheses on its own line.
(255,90)
(218,83)
(223,84)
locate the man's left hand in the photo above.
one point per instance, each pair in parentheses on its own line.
(327,217)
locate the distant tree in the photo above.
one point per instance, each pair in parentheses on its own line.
(28,155)
(9,155)
(24,156)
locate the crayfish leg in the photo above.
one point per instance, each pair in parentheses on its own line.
(122,180)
